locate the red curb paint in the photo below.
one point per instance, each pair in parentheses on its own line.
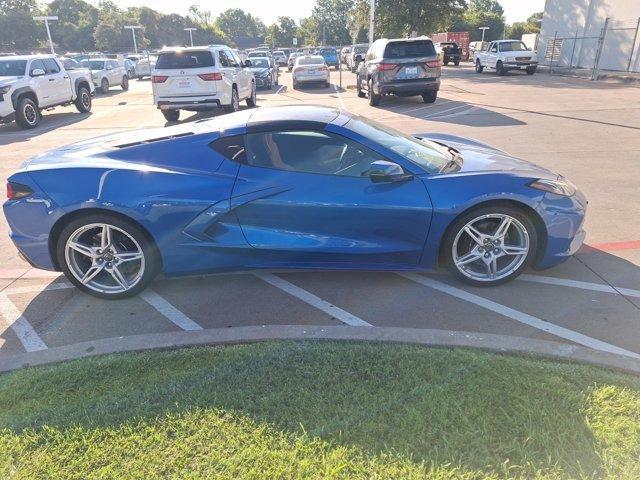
(611,246)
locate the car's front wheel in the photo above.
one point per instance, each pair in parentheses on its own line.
(28,114)
(107,256)
(531,70)
(125,83)
(479,67)
(361,93)
(500,68)
(490,245)
(171,115)
(374,99)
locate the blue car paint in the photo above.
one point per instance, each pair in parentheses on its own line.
(207,213)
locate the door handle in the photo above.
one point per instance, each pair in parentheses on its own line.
(52,79)
(66,78)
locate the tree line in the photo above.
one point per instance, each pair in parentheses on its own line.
(84,27)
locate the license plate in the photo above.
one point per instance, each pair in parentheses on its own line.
(411,71)
(184,84)
(311,72)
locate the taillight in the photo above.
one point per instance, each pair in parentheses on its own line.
(434,63)
(210,77)
(16,191)
(159,78)
(387,66)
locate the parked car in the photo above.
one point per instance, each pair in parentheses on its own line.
(356,56)
(259,53)
(107,73)
(249,190)
(292,59)
(265,71)
(130,67)
(476,47)
(310,69)
(280,58)
(32,83)
(201,78)
(404,67)
(331,57)
(145,66)
(69,63)
(449,52)
(344,55)
(505,55)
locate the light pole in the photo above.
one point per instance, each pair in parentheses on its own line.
(190,30)
(372,16)
(46,22)
(483,30)
(133,29)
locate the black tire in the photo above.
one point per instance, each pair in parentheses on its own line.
(251,99)
(531,70)
(104,85)
(327,84)
(479,67)
(460,222)
(500,68)
(446,62)
(235,102)
(28,114)
(149,250)
(276,83)
(430,96)
(374,100)
(456,63)
(83,100)
(125,83)
(361,93)
(171,115)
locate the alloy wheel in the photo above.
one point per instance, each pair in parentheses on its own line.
(30,114)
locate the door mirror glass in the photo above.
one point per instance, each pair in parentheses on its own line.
(247,63)
(385,171)
(37,72)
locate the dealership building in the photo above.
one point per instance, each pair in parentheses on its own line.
(591,34)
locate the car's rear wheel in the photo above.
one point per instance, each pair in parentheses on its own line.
(374,99)
(479,67)
(83,100)
(28,114)
(234,106)
(456,62)
(446,62)
(490,245)
(430,96)
(125,83)
(500,68)
(104,85)
(171,115)
(106,256)
(251,100)
(361,93)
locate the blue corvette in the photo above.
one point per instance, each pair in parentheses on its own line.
(286,187)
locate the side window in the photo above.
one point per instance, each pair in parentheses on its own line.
(231,148)
(225,61)
(51,65)
(114,64)
(309,152)
(35,65)
(494,47)
(236,59)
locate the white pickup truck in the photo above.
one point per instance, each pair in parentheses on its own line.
(505,55)
(32,83)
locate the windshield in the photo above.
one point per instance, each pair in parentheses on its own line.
(93,64)
(12,68)
(426,155)
(260,62)
(513,47)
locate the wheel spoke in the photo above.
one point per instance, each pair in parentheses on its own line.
(470,257)
(503,228)
(514,250)
(475,235)
(105,237)
(85,250)
(492,267)
(91,273)
(119,278)
(129,256)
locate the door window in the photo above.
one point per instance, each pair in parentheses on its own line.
(309,152)
(36,64)
(236,59)
(225,61)
(494,48)
(51,66)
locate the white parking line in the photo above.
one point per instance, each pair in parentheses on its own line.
(313,300)
(521,317)
(36,288)
(10,317)
(272,96)
(596,287)
(340,100)
(169,311)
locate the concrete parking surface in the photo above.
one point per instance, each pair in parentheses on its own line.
(589,132)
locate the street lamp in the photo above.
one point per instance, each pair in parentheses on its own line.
(190,30)
(483,30)
(372,16)
(46,22)
(133,33)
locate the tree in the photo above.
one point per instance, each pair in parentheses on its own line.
(240,27)
(18,30)
(532,25)
(77,20)
(110,34)
(481,13)
(281,33)
(330,22)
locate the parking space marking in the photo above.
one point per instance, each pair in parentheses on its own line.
(169,311)
(340,100)
(521,317)
(313,300)
(36,288)
(277,92)
(596,287)
(10,317)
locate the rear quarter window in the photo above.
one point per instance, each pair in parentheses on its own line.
(184,60)
(415,48)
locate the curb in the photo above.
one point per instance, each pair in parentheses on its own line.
(237,335)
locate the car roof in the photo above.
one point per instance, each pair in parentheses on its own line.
(25,57)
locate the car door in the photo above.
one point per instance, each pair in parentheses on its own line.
(115,73)
(57,84)
(244,74)
(228,71)
(492,55)
(305,196)
(41,83)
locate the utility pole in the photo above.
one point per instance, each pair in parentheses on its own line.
(133,29)
(190,30)
(372,16)
(483,30)
(46,22)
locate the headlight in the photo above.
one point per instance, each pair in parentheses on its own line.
(559,187)
(510,59)
(5,89)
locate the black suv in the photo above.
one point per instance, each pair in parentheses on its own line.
(404,67)
(451,52)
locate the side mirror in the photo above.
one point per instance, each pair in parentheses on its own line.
(37,72)
(382,171)
(109,67)
(247,63)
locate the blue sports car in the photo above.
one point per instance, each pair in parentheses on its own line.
(286,187)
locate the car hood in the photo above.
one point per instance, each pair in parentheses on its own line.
(8,80)
(480,157)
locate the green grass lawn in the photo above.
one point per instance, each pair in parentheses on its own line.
(319,410)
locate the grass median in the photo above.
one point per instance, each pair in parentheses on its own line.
(319,410)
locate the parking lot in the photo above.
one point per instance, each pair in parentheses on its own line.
(589,132)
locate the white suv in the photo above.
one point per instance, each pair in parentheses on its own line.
(201,78)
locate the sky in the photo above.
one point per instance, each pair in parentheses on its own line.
(269,10)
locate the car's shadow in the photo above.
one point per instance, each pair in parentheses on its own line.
(11,133)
